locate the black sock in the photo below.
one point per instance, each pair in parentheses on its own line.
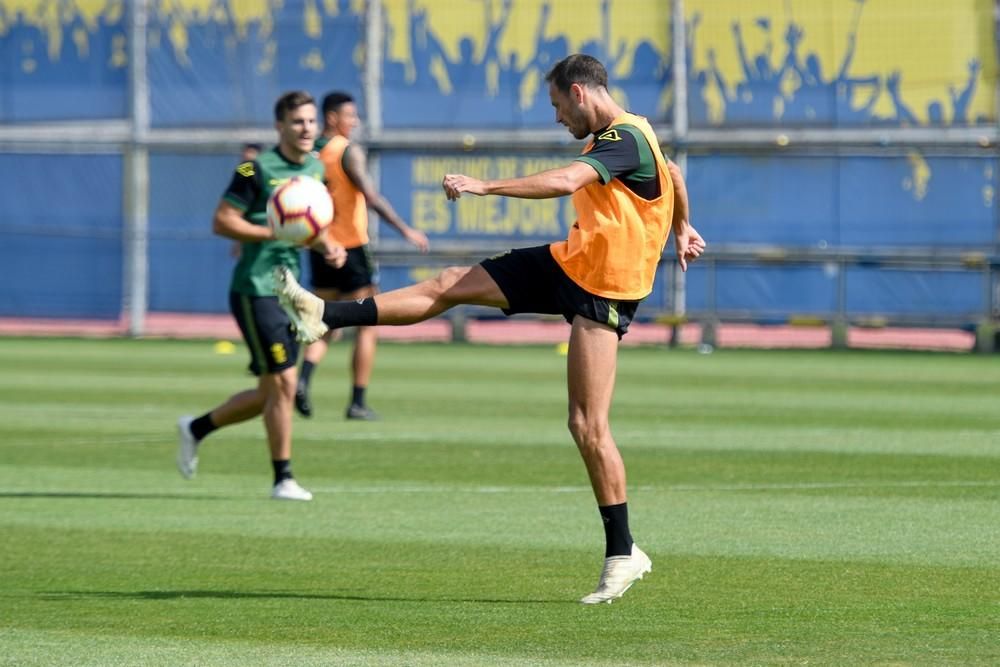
(358,395)
(202,426)
(306,373)
(282,470)
(618,539)
(360,313)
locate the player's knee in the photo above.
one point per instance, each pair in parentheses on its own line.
(587,431)
(282,384)
(445,282)
(449,277)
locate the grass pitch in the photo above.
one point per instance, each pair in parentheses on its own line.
(800,508)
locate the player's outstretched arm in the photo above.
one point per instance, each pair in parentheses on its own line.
(543,185)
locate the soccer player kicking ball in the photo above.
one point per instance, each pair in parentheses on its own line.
(628,199)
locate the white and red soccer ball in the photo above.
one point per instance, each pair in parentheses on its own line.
(299,210)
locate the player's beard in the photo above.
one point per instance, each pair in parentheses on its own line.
(577,125)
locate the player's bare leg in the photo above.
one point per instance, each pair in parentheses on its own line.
(273,399)
(362,361)
(454,286)
(237,408)
(591,367)
(457,285)
(278,390)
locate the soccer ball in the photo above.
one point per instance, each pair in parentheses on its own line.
(299,209)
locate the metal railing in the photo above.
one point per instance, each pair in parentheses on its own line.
(983,321)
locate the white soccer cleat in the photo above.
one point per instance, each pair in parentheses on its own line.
(303,308)
(289,489)
(187,448)
(618,575)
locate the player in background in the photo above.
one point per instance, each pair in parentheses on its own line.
(353,193)
(242,215)
(628,199)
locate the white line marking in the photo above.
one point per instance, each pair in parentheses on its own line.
(682,488)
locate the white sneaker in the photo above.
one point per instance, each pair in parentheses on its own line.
(187,448)
(289,489)
(619,573)
(303,308)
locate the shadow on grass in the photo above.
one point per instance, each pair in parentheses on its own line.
(275,595)
(74,495)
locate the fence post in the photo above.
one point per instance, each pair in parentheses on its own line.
(680,130)
(986,335)
(372,85)
(135,237)
(839,325)
(458,319)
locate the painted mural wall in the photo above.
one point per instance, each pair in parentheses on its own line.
(481,63)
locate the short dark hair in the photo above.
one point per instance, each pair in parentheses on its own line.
(290,102)
(333,101)
(253,146)
(578,68)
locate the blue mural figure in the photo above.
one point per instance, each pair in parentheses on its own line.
(904,116)
(763,82)
(422,51)
(7,64)
(511,76)
(343,34)
(111,67)
(470,95)
(645,82)
(27,44)
(737,110)
(215,95)
(40,69)
(817,99)
(548,52)
(601,48)
(960,101)
(935,109)
(466,74)
(313,62)
(697,79)
(935,114)
(393,71)
(409,89)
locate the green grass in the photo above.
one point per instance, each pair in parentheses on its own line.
(811,508)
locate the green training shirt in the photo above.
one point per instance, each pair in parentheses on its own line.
(252,185)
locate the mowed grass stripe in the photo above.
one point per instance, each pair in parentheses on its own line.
(787,522)
(315,594)
(64,648)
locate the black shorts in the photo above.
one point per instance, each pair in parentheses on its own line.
(533,282)
(359,271)
(267,332)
